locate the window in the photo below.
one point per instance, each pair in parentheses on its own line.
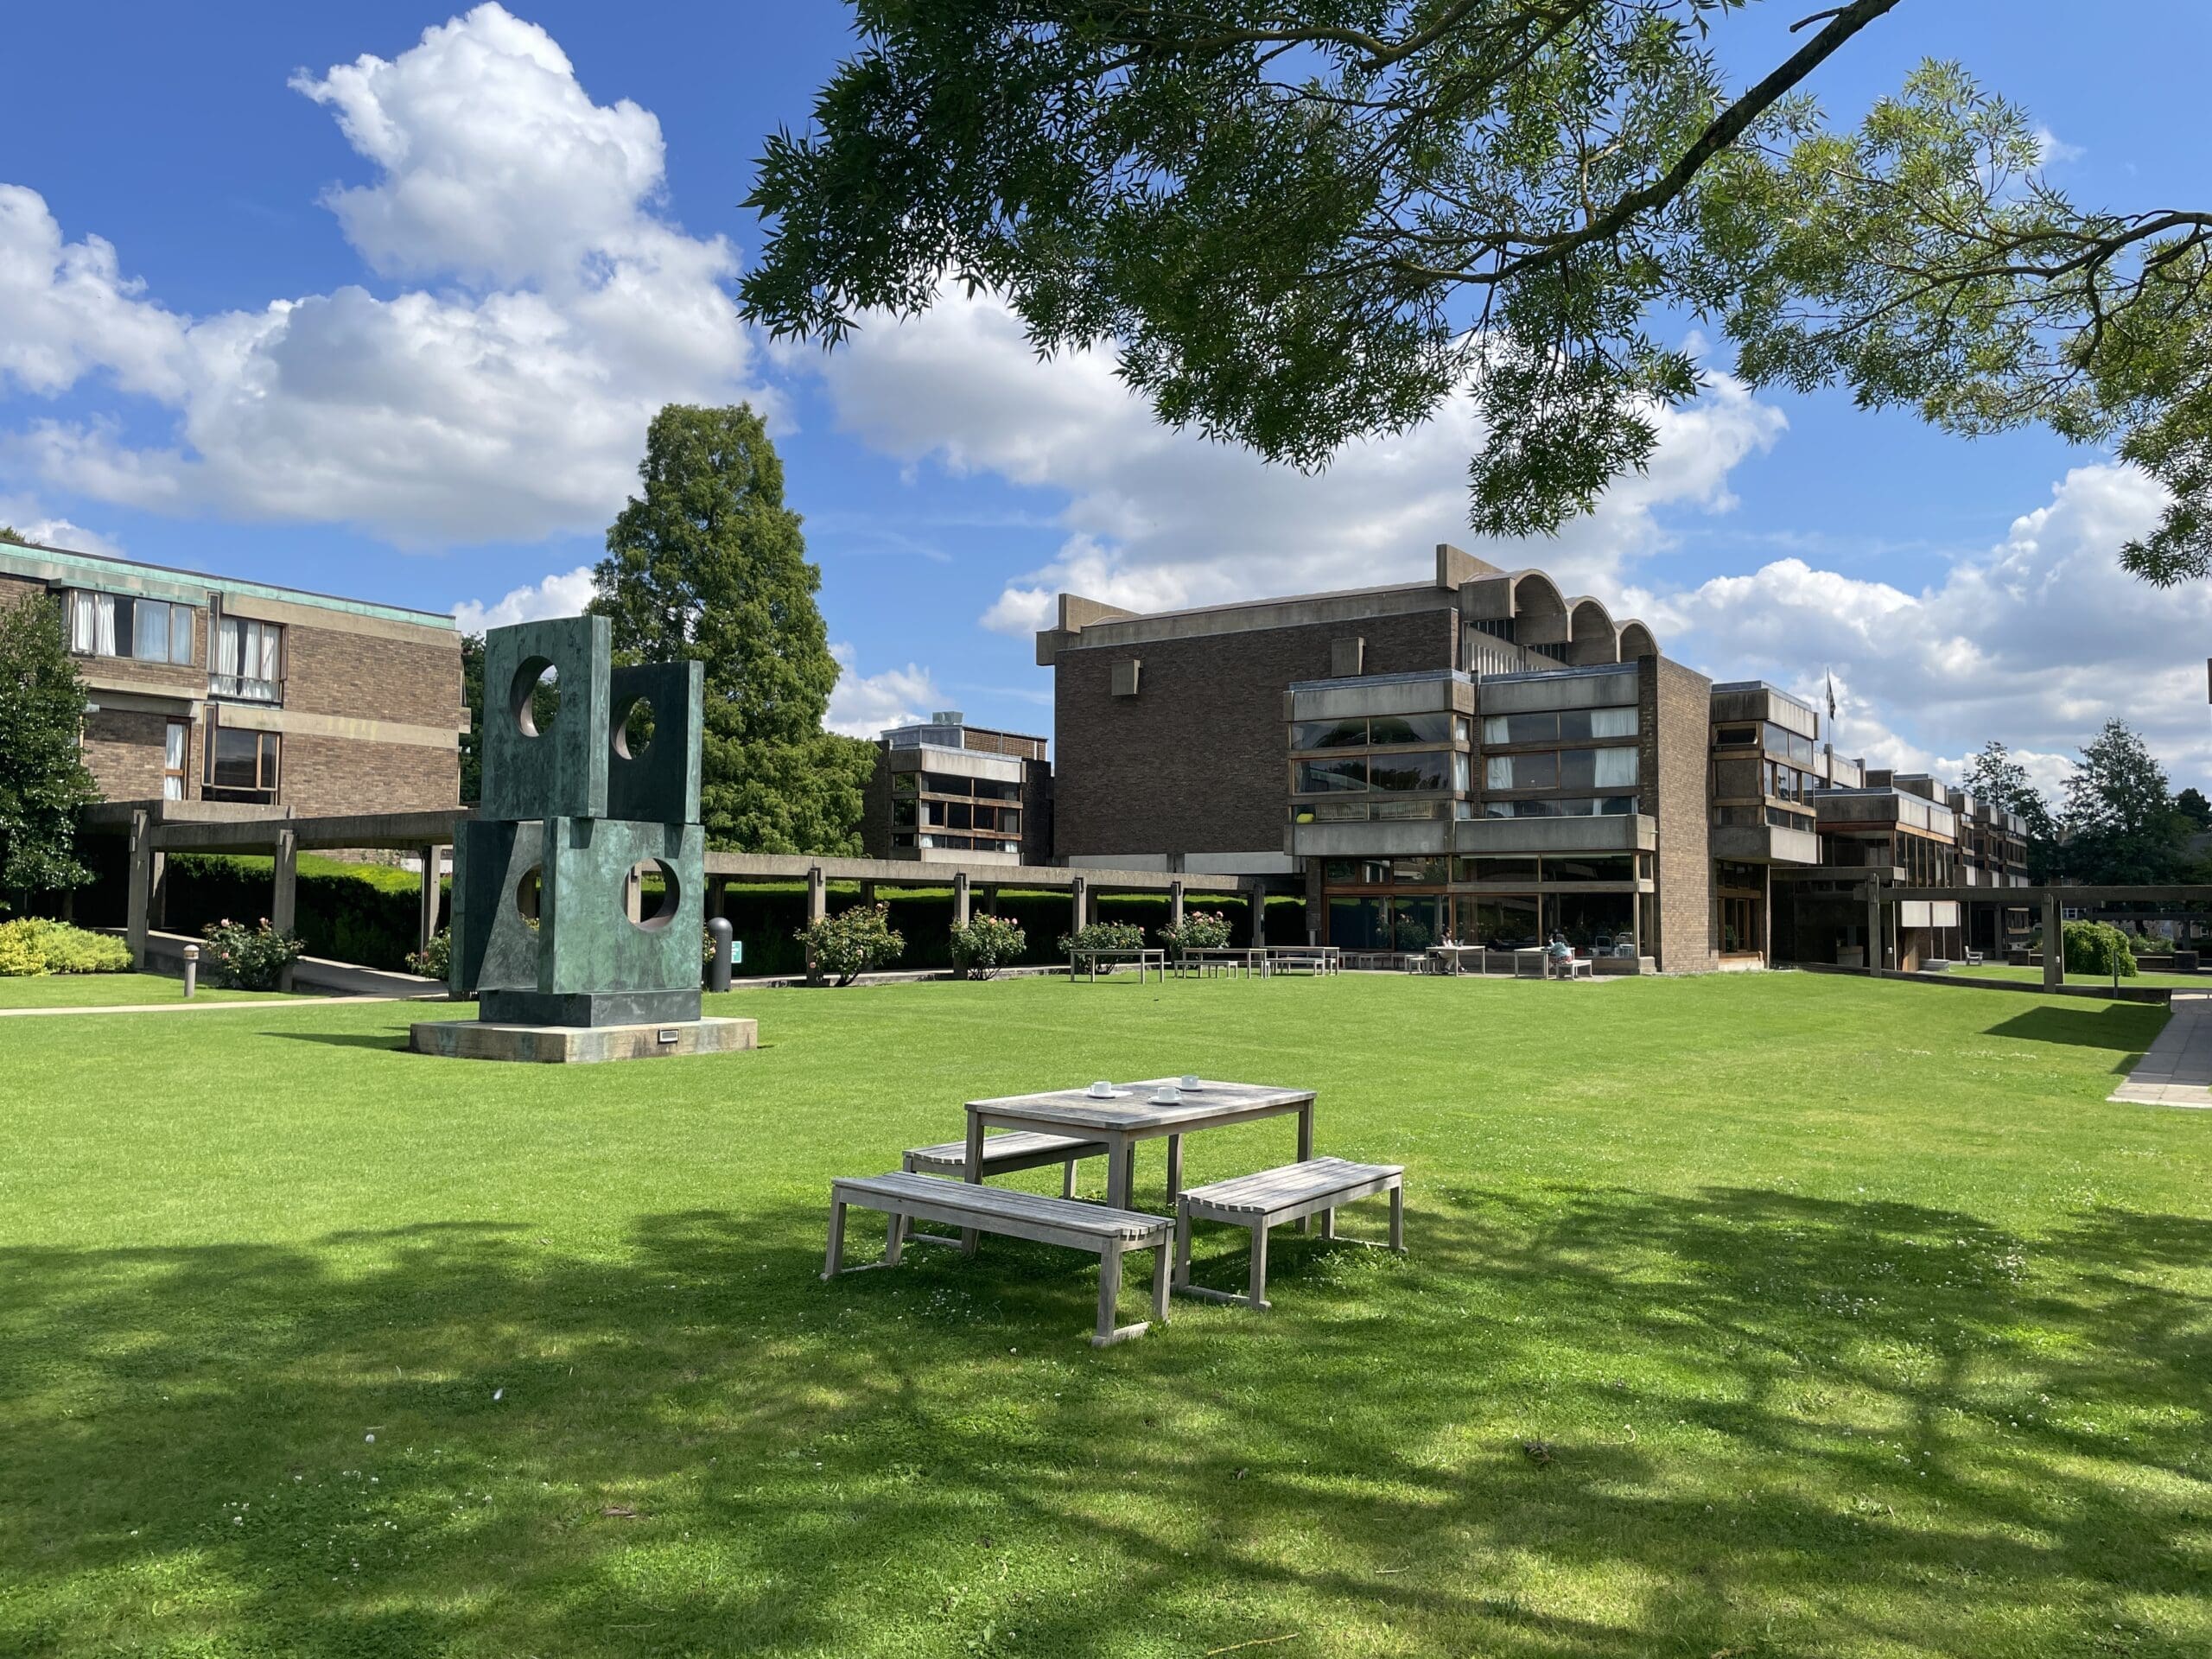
(1410,728)
(123,625)
(1556,806)
(1615,866)
(996,789)
(1573,726)
(1520,728)
(1539,770)
(1597,768)
(902,783)
(1789,745)
(1328,734)
(1497,870)
(1320,777)
(1411,809)
(1409,773)
(174,749)
(1736,737)
(241,764)
(902,814)
(249,660)
(944,783)
(1329,812)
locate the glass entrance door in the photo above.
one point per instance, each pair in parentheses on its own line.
(1738,937)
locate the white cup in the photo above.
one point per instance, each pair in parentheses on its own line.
(1168,1096)
(1190,1080)
(1101,1091)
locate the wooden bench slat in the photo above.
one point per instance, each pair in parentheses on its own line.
(1016,1143)
(1292,1183)
(958,1198)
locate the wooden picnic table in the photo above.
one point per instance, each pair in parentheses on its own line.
(1131,1116)
(1316,959)
(1146,960)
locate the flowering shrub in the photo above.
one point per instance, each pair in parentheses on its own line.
(1201,931)
(853,941)
(249,958)
(433,963)
(1103,935)
(987,944)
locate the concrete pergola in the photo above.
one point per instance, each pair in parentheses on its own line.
(1879,898)
(156,829)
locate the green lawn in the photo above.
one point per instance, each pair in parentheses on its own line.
(1753,1314)
(106,990)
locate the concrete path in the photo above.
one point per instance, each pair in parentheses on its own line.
(2177,1069)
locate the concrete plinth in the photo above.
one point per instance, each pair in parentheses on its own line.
(474,1040)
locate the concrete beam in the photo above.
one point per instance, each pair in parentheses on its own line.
(907,872)
(1175,904)
(960,899)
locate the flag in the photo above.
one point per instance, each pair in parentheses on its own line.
(1831,679)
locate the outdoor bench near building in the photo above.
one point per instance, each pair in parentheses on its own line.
(202,688)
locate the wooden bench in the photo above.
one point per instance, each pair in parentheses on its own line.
(1005,1153)
(1106,1234)
(1273,1196)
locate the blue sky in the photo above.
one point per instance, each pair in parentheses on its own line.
(313,297)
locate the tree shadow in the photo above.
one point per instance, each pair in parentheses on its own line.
(2127,1027)
(1755,1416)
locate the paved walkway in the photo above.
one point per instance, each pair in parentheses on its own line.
(2177,1069)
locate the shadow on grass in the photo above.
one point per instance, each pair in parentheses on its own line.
(2112,1026)
(1766,1415)
(383,1041)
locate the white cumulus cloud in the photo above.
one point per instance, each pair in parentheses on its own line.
(861,705)
(507,402)
(1159,519)
(562,593)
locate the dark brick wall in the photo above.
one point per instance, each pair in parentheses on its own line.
(876,808)
(373,675)
(1036,811)
(1196,762)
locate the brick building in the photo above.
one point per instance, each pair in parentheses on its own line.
(945,791)
(1480,757)
(202,688)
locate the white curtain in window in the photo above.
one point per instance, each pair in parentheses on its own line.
(1612,723)
(265,651)
(227,639)
(103,624)
(80,622)
(149,631)
(1497,771)
(173,762)
(180,633)
(1616,767)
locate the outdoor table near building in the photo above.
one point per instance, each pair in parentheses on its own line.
(1130,1114)
(1225,959)
(1088,958)
(1314,958)
(1452,956)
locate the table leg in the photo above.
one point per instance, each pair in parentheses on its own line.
(836,1256)
(1121,1172)
(1397,1217)
(1174,1167)
(1258,1289)
(896,1241)
(1159,1285)
(974,1174)
(1109,1289)
(1304,1152)
(1182,1248)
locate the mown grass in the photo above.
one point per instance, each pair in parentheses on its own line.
(2006,970)
(108,990)
(1752,1314)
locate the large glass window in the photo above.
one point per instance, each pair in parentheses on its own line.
(1520,728)
(1569,726)
(1359,924)
(1409,773)
(997,789)
(945,783)
(1413,809)
(1502,921)
(1497,870)
(1597,768)
(1435,728)
(1537,771)
(1328,734)
(902,783)
(174,747)
(1593,921)
(1575,724)
(1329,812)
(249,659)
(1790,744)
(1736,737)
(1605,867)
(1562,806)
(1316,777)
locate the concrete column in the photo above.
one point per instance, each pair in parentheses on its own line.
(142,888)
(284,900)
(427,921)
(717,895)
(817,909)
(2054,943)
(1080,892)
(960,899)
(1766,918)
(158,903)
(990,901)
(867,895)
(1875,930)
(1256,896)
(1175,903)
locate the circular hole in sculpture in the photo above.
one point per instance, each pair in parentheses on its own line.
(633,730)
(526,894)
(658,894)
(535,697)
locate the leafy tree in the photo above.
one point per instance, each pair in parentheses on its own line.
(1994,776)
(2192,805)
(472,740)
(708,563)
(2121,826)
(43,778)
(1302,221)
(9,533)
